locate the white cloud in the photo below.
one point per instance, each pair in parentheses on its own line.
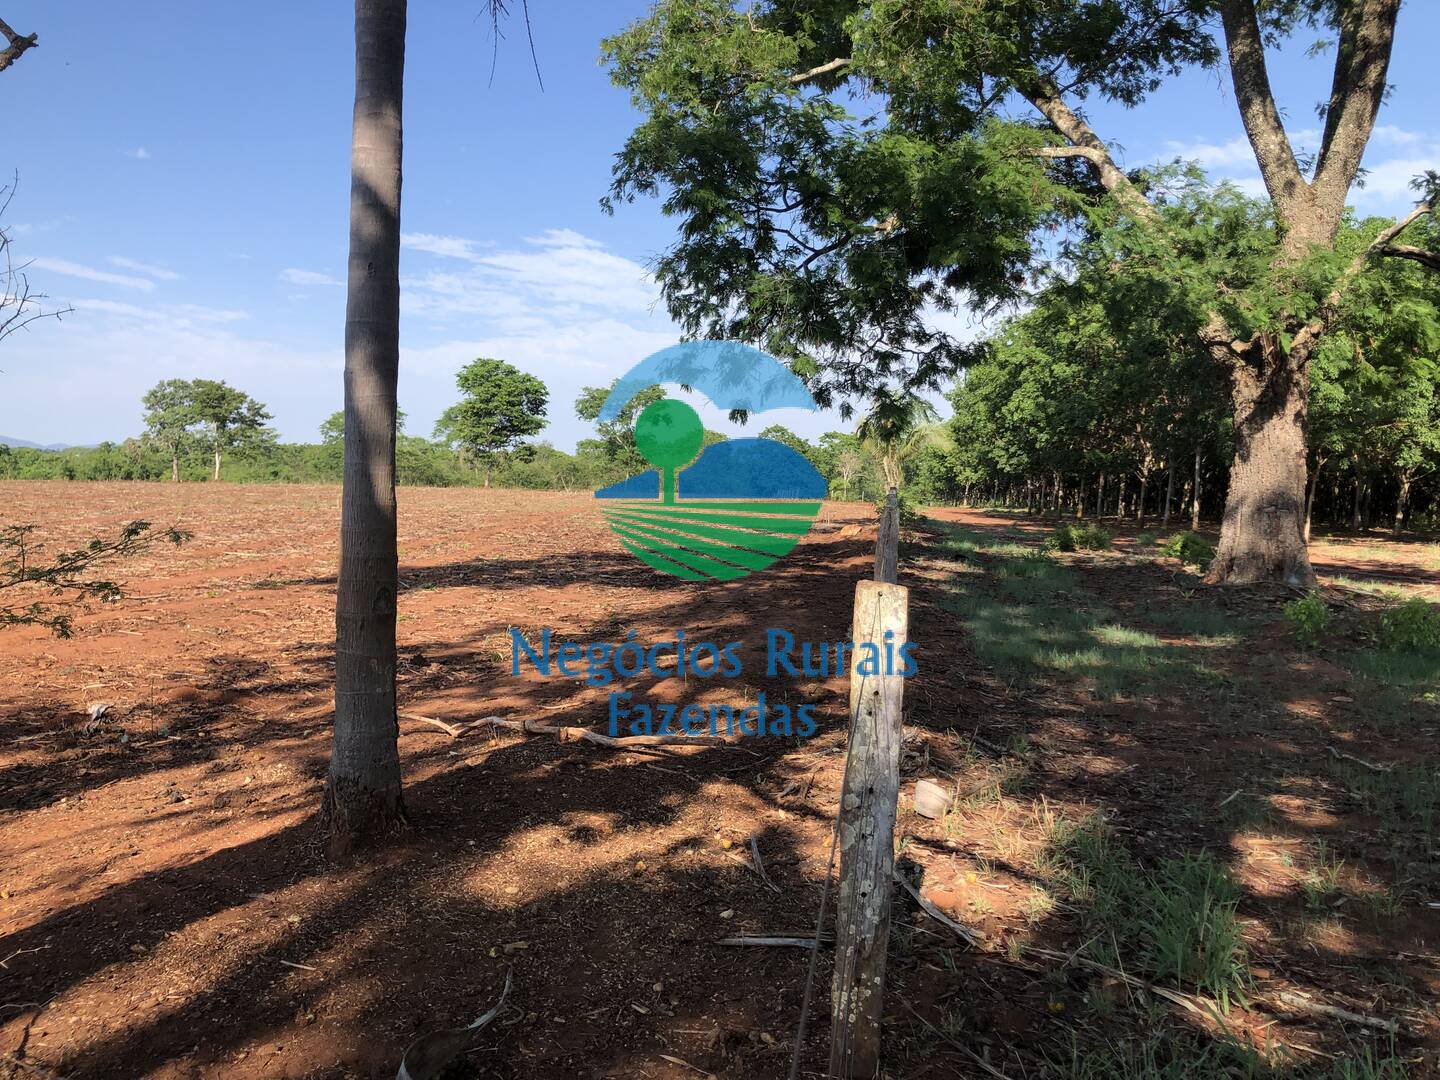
(148,269)
(555,277)
(450,247)
(1235,151)
(1398,136)
(89,273)
(1389,181)
(139,154)
(306,277)
(563,238)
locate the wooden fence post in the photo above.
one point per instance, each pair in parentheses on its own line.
(887,542)
(867,833)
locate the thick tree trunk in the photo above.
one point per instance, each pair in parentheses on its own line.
(1260,535)
(174,470)
(362,796)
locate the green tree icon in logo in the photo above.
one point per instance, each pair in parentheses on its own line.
(668,435)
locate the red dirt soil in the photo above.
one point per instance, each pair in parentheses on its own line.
(166,909)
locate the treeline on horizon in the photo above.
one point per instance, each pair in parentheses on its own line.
(251,453)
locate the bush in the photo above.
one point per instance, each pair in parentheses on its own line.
(1191,549)
(1413,626)
(1089,537)
(1308,618)
(1145,539)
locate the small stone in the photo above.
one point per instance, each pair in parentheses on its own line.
(728,913)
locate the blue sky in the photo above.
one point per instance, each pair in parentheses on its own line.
(184,179)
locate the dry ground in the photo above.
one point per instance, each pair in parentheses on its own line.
(166,910)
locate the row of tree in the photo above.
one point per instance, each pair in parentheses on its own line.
(196,429)
(1100,400)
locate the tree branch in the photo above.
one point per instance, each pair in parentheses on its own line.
(823,69)
(1310,333)
(1406,251)
(1256,99)
(1361,64)
(1046,97)
(17,45)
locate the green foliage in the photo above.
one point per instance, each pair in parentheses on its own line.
(1413,626)
(64,576)
(1086,537)
(183,414)
(1308,618)
(500,405)
(1190,548)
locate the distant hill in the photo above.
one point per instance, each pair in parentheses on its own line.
(28,445)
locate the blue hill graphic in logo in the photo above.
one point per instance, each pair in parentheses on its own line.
(739,505)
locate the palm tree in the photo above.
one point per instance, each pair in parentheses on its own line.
(362,795)
(896,429)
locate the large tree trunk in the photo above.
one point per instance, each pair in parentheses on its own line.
(1260,534)
(362,796)
(175,470)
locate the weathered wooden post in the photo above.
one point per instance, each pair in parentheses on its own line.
(887,543)
(867,826)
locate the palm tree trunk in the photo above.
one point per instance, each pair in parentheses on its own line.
(362,795)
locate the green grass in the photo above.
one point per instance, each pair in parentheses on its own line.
(1030,618)
(1406,799)
(1175,924)
(1164,1054)
(1205,622)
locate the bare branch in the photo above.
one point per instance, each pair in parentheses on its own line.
(1046,97)
(18,305)
(17,46)
(1095,157)
(1256,99)
(823,69)
(1406,251)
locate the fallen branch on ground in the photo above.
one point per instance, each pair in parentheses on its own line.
(760,866)
(1340,754)
(1302,1004)
(798,942)
(971,937)
(564,733)
(449,729)
(428,1055)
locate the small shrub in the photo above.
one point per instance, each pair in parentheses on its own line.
(1060,540)
(1145,539)
(1308,618)
(1413,626)
(1088,537)
(1191,549)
